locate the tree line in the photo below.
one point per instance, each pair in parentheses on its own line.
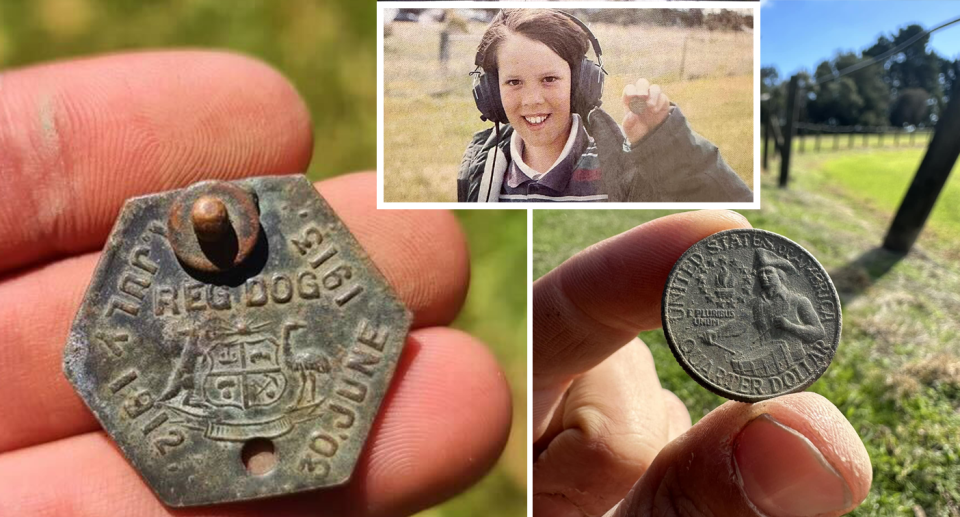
(908,88)
(722,19)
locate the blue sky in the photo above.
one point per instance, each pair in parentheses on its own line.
(798,34)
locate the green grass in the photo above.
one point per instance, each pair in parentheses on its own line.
(879,179)
(896,375)
(430,115)
(328,51)
(495,312)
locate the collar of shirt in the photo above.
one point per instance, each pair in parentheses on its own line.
(561,169)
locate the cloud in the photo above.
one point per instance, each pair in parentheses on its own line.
(766,3)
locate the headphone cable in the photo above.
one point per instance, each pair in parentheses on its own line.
(493,169)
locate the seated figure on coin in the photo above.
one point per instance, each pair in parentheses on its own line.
(783,320)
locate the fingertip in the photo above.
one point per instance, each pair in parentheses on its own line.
(663,103)
(654,100)
(729,218)
(82,136)
(423,253)
(443,426)
(687,228)
(821,422)
(294,146)
(794,455)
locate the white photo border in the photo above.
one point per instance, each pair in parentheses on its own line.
(755,204)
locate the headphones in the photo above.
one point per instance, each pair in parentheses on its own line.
(586,90)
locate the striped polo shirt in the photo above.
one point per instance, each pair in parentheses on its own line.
(575,176)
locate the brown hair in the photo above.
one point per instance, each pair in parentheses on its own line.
(552,28)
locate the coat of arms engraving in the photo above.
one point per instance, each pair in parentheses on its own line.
(228,371)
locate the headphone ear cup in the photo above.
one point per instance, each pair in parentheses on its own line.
(589,87)
(486,93)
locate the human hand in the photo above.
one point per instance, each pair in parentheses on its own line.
(608,440)
(710,336)
(782,322)
(78,138)
(647,108)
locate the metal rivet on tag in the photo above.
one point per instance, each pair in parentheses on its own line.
(214,226)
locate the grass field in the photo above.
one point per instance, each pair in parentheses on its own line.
(429,113)
(328,51)
(896,375)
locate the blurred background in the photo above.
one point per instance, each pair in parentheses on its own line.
(896,374)
(328,51)
(703,59)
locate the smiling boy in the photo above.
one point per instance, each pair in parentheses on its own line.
(558,145)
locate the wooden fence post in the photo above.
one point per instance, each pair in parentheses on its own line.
(683,56)
(896,138)
(850,143)
(444,47)
(836,141)
(817,140)
(932,174)
(912,135)
(803,140)
(777,137)
(786,150)
(766,142)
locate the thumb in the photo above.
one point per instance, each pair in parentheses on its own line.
(794,456)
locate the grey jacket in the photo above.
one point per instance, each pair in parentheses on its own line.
(671,164)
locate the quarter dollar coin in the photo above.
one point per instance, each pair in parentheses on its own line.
(751,315)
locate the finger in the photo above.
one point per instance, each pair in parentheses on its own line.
(37,307)
(423,253)
(635,97)
(78,138)
(614,422)
(634,101)
(663,103)
(790,456)
(435,435)
(678,417)
(593,303)
(643,86)
(653,101)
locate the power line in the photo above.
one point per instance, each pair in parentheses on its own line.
(885,55)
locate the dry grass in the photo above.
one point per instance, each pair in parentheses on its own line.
(940,371)
(429,114)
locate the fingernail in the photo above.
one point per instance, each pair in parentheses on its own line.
(783,474)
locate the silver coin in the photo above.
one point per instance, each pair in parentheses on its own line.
(751,315)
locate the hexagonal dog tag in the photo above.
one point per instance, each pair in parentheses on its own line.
(235,341)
